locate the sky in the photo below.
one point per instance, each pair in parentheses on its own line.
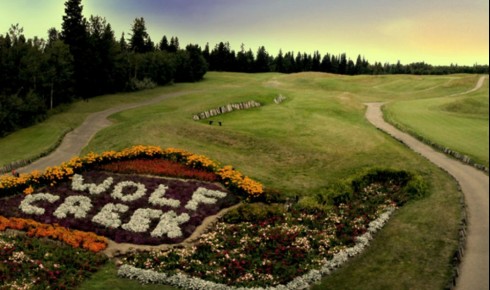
(438,32)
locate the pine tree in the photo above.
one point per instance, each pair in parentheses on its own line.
(163,45)
(174,44)
(138,42)
(74,25)
(279,62)
(326,65)
(342,64)
(123,45)
(315,62)
(262,60)
(74,34)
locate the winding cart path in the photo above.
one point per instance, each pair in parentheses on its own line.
(75,140)
(474,268)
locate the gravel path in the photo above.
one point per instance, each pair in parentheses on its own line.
(75,140)
(474,268)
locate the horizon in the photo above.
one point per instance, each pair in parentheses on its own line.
(437,32)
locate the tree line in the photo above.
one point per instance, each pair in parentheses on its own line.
(84,60)
(223,58)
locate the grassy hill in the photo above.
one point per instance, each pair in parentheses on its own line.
(315,138)
(457,122)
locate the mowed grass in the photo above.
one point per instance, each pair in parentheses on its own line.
(32,141)
(315,138)
(459,123)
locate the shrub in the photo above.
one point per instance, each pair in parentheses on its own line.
(416,188)
(405,186)
(138,85)
(272,196)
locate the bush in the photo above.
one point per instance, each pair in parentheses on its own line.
(138,85)
(416,188)
(406,185)
(272,196)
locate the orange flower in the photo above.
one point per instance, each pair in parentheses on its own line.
(89,241)
(28,190)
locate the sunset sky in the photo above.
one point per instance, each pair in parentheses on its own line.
(439,32)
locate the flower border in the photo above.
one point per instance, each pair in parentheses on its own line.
(229,177)
(87,240)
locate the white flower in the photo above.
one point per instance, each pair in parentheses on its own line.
(28,208)
(117,192)
(169,224)
(204,195)
(141,218)
(77,205)
(78,185)
(156,198)
(109,215)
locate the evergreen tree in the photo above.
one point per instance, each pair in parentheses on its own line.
(244,60)
(351,68)
(138,42)
(222,58)
(326,65)
(315,62)
(163,45)
(74,25)
(289,63)
(279,62)
(342,68)
(206,54)
(104,52)
(174,44)
(262,60)
(123,45)
(74,34)
(149,45)
(335,64)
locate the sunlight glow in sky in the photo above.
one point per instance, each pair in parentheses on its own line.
(439,32)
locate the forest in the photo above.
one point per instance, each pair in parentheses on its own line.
(85,59)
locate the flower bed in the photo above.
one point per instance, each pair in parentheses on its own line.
(129,208)
(124,208)
(31,263)
(89,241)
(128,196)
(261,245)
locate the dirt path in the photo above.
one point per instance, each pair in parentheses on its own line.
(75,140)
(478,85)
(474,267)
